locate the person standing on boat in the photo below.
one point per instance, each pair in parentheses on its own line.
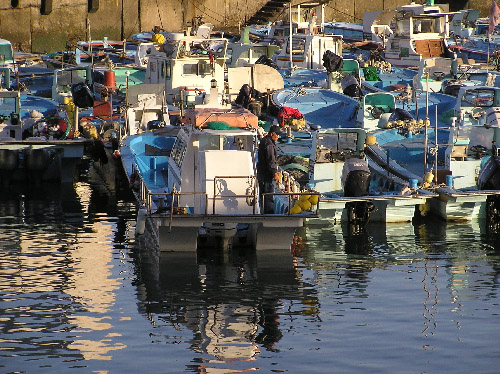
(267,167)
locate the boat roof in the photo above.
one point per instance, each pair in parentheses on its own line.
(226,132)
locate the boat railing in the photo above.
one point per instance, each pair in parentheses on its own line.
(156,200)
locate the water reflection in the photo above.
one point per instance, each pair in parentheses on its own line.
(232,302)
(56,284)
(453,264)
(79,293)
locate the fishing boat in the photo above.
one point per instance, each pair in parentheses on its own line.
(246,53)
(451,155)
(301,19)
(351,32)
(412,32)
(190,69)
(469,37)
(356,185)
(320,107)
(357,189)
(199,187)
(38,142)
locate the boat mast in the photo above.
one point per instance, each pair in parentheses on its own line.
(426,120)
(290,47)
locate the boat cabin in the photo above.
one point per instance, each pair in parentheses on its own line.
(191,66)
(375,110)
(307,51)
(412,32)
(213,165)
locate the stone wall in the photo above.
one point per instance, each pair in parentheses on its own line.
(68,21)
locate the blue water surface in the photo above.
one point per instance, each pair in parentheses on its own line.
(80,293)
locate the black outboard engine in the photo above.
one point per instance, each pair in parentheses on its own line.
(489,179)
(351,87)
(451,87)
(82,97)
(355,177)
(355,180)
(332,62)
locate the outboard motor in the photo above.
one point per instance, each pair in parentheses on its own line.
(82,97)
(355,177)
(351,87)
(355,181)
(451,87)
(332,62)
(400,114)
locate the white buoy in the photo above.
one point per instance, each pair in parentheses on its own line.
(141,221)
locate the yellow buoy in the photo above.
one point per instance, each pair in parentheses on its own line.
(314,199)
(158,38)
(296,209)
(370,140)
(305,204)
(423,208)
(305,197)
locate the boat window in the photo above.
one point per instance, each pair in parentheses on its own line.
(204,68)
(153,67)
(229,55)
(245,54)
(168,69)
(179,151)
(339,141)
(298,46)
(5,54)
(258,52)
(201,68)
(482,98)
(403,27)
(67,78)
(209,143)
(7,106)
(189,69)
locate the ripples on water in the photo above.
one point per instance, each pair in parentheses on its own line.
(79,293)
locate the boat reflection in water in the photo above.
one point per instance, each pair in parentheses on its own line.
(232,302)
(57,263)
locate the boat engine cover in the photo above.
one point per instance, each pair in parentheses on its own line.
(355,177)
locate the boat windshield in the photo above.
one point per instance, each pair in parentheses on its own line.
(6,56)
(336,142)
(479,97)
(203,48)
(224,142)
(7,106)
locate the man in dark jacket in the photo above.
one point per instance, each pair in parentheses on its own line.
(267,166)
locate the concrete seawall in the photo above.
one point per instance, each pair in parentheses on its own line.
(52,25)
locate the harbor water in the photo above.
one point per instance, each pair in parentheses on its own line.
(80,293)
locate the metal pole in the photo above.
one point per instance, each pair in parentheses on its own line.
(437,147)
(290,47)
(426,120)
